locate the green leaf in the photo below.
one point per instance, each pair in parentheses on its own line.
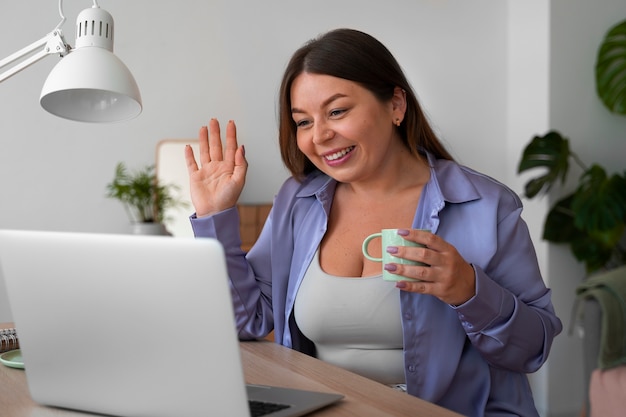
(610,70)
(593,254)
(592,219)
(587,248)
(550,152)
(600,204)
(559,226)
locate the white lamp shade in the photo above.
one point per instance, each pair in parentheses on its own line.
(91,84)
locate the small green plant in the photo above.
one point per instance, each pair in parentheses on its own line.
(144,198)
(592,219)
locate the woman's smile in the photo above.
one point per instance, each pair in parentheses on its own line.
(338,156)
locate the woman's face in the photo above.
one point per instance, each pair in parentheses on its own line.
(343,128)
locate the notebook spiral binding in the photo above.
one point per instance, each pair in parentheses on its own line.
(8,340)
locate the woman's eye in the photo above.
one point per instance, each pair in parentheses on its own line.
(302,123)
(337,112)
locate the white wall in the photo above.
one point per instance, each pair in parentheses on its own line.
(489,73)
(527,115)
(552,49)
(576,30)
(197,59)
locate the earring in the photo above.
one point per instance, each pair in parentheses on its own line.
(397,122)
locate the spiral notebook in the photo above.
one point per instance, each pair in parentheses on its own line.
(131,325)
(8,340)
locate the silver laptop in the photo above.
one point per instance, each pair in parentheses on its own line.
(131,326)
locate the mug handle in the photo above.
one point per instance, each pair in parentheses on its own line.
(366,243)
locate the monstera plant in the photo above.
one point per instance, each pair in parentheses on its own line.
(592,218)
(611,69)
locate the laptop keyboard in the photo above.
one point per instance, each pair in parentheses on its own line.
(260,408)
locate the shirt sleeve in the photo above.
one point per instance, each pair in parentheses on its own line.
(251,292)
(511,320)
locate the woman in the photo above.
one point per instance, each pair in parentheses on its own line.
(363,157)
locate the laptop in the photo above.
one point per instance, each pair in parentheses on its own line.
(130,325)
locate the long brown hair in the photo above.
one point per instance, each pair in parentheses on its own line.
(355,56)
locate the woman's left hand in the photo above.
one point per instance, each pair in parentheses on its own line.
(448,277)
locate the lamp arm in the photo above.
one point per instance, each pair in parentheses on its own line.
(52,43)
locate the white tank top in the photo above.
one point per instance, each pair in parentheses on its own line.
(354,322)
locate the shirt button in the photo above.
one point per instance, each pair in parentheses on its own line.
(411,368)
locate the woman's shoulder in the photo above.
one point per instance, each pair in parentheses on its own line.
(461,183)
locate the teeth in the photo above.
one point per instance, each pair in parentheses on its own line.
(339,154)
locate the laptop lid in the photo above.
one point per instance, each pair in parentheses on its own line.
(126,325)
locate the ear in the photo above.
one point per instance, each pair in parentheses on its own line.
(398,103)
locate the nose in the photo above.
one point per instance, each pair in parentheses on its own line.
(322,133)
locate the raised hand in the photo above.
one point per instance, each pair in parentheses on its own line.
(217,182)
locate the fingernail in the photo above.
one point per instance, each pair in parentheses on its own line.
(401,284)
(403,232)
(390,267)
(392,249)
(243,150)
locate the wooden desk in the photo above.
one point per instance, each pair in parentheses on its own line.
(269,364)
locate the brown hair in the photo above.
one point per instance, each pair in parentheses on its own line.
(358,57)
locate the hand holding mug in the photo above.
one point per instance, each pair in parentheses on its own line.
(430,265)
(390,240)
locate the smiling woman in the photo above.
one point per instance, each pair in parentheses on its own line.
(464,323)
(351,135)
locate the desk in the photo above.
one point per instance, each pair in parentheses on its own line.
(269,364)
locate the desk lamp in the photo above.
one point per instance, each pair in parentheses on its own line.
(90,84)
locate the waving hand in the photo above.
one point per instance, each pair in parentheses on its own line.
(217,182)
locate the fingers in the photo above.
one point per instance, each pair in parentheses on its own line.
(241,165)
(210,142)
(424,237)
(412,286)
(215,141)
(455,290)
(428,253)
(446,274)
(231,141)
(192,165)
(203,142)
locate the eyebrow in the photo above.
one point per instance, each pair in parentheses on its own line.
(324,103)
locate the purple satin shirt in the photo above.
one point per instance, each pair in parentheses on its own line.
(472,358)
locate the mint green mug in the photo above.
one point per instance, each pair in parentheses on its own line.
(390,237)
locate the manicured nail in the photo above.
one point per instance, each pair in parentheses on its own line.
(403,232)
(390,267)
(243,150)
(401,284)
(392,249)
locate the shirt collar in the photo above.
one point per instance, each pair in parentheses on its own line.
(451,180)
(448,179)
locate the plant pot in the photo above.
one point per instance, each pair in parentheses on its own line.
(157,229)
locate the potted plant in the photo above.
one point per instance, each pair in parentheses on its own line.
(592,218)
(144,198)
